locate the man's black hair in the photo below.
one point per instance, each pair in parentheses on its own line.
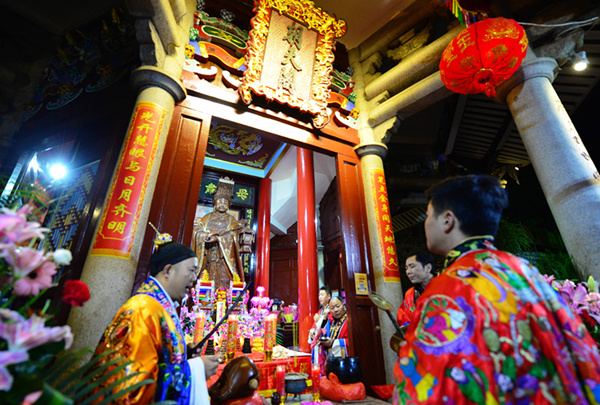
(476,200)
(425,258)
(326,289)
(169,253)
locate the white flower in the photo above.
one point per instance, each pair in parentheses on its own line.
(62,256)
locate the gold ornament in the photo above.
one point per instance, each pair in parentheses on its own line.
(161,238)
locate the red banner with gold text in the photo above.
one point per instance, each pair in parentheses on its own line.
(391,269)
(122,210)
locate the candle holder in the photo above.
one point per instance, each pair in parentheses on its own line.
(229,356)
(268,355)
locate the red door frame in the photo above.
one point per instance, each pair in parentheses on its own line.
(178,185)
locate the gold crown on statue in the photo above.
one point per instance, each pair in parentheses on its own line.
(161,238)
(224,189)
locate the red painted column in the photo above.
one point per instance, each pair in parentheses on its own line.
(308,278)
(263,236)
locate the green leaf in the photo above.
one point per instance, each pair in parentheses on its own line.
(50,396)
(24,384)
(108,389)
(99,381)
(90,376)
(121,393)
(84,376)
(63,363)
(50,348)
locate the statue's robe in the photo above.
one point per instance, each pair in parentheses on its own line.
(221,259)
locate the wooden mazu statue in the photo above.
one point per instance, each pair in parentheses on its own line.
(216,240)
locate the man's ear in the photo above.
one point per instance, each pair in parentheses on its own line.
(167,270)
(450,221)
(428,267)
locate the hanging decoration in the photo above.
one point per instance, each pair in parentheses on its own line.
(483,56)
(469,11)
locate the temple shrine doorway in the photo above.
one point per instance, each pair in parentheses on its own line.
(175,201)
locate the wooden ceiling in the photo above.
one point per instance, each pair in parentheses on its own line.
(458,134)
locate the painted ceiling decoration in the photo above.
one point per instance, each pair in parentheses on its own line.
(91,60)
(241,151)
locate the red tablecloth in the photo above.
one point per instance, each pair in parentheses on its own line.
(266,370)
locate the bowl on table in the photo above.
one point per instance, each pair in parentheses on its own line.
(295,383)
(347,369)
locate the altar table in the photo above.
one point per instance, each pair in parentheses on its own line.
(267,370)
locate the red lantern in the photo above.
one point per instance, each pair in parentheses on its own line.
(483,56)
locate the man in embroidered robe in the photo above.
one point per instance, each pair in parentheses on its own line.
(336,332)
(216,240)
(420,269)
(147,330)
(489,330)
(320,321)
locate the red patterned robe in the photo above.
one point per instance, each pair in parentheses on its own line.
(407,309)
(489,330)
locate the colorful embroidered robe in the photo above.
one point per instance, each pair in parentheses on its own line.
(489,330)
(147,329)
(338,331)
(318,331)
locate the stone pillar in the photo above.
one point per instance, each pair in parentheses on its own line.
(308,272)
(110,279)
(263,236)
(162,30)
(372,151)
(567,175)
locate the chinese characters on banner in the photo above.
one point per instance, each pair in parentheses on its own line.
(391,269)
(246,257)
(289,58)
(122,211)
(290,55)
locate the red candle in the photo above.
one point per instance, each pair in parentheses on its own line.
(232,324)
(280,380)
(199,328)
(316,380)
(269,339)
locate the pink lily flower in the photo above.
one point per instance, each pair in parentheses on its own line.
(25,260)
(593,300)
(25,334)
(14,227)
(7,358)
